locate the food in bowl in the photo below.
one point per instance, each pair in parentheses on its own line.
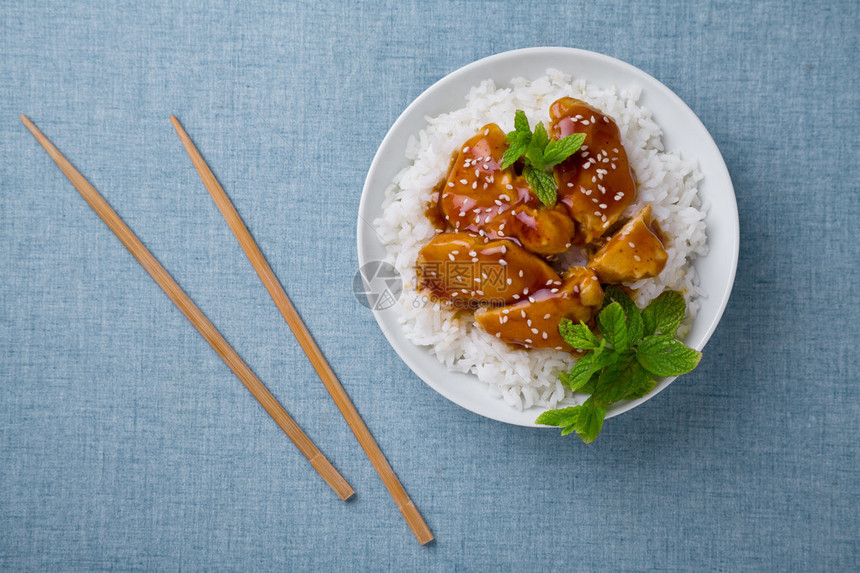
(495,256)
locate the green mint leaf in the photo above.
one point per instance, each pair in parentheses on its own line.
(664,314)
(579,373)
(591,385)
(589,421)
(560,149)
(646,384)
(578,335)
(561,417)
(635,326)
(521,122)
(620,380)
(569,429)
(664,356)
(518,146)
(608,384)
(613,324)
(539,141)
(585,367)
(543,184)
(566,418)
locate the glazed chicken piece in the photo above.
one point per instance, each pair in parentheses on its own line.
(481,198)
(635,252)
(533,322)
(462,268)
(596,183)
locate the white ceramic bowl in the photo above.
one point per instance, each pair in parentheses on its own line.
(683,131)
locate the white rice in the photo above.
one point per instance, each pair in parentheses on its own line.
(525,378)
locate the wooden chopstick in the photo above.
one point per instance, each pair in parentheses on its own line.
(196,316)
(315,355)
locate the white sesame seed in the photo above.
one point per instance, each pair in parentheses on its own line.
(632,246)
(555,290)
(516,297)
(529,340)
(544,335)
(602,205)
(535,330)
(526,290)
(474,184)
(637,258)
(450,183)
(503,262)
(509,281)
(523,313)
(531,300)
(498,335)
(509,186)
(546,316)
(521,274)
(464,182)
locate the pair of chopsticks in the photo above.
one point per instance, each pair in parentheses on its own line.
(319,462)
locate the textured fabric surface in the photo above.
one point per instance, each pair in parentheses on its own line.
(126,443)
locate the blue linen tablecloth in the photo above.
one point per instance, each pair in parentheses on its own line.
(125,443)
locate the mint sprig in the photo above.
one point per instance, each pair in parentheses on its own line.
(539,154)
(634,347)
